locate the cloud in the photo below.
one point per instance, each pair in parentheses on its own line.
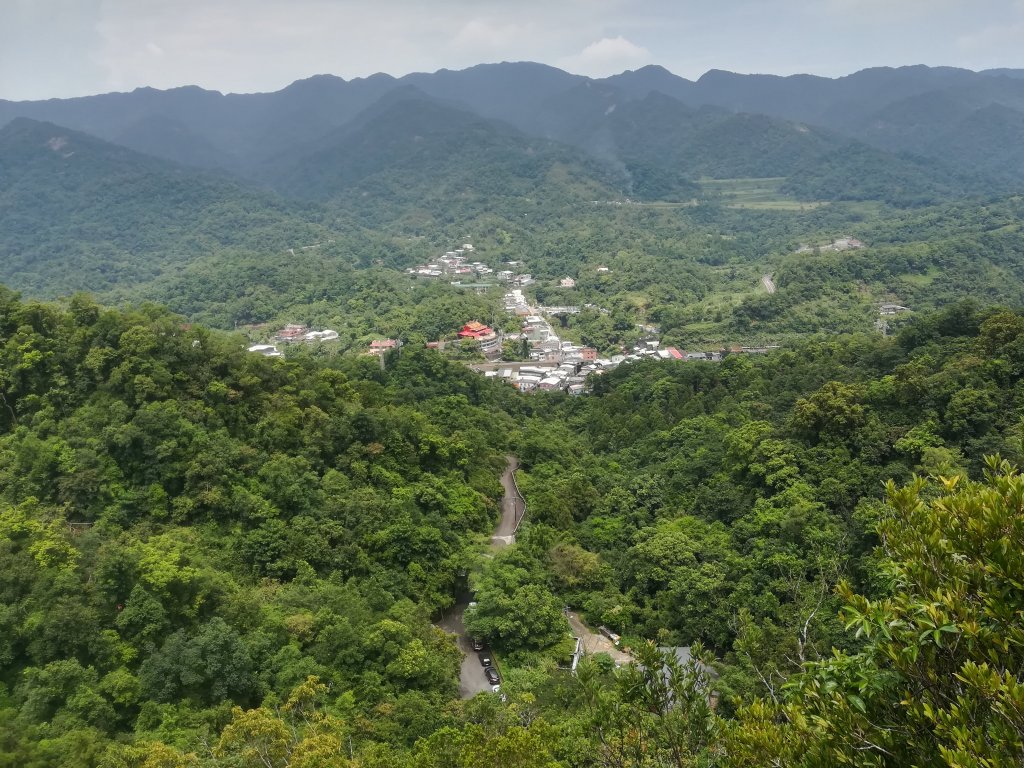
(70,47)
(607,56)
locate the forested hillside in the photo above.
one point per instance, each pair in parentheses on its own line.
(781,514)
(212,556)
(82,214)
(186,527)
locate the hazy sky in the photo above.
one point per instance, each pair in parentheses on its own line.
(74,47)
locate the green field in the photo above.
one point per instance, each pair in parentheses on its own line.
(755,194)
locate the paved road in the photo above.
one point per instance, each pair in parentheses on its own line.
(471,676)
(769,284)
(511,508)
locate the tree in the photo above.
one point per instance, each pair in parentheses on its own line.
(939,679)
(209,665)
(656,712)
(513,609)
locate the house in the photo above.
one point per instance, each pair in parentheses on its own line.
(846,244)
(567,282)
(588,354)
(603,270)
(380,346)
(675,353)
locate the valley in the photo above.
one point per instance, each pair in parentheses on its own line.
(281,374)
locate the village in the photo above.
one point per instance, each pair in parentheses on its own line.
(542,360)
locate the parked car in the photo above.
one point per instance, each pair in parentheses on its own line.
(478,645)
(485,659)
(492,675)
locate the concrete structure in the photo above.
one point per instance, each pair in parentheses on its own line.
(267,350)
(325,335)
(892,309)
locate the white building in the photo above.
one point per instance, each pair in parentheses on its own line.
(325,335)
(267,350)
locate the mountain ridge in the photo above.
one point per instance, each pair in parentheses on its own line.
(885,107)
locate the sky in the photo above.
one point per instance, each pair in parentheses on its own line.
(61,48)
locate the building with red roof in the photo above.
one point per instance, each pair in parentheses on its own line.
(475,330)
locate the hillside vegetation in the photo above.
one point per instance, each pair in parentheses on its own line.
(210,554)
(808,544)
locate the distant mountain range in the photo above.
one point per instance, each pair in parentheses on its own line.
(944,130)
(107,192)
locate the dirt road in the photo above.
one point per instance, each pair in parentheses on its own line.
(595,642)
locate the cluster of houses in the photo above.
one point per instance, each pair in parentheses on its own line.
(567,377)
(293,333)
(564,366)
(569,370)
(839,244)
(544,343)
(456,265)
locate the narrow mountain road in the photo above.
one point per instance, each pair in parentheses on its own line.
(471,674)
(768,283)
(512,508)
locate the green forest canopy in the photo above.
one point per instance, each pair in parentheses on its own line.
(212,558)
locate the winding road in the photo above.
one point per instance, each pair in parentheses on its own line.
(471,676)
(512,508)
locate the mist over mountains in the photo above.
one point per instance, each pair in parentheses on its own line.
(944,130)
